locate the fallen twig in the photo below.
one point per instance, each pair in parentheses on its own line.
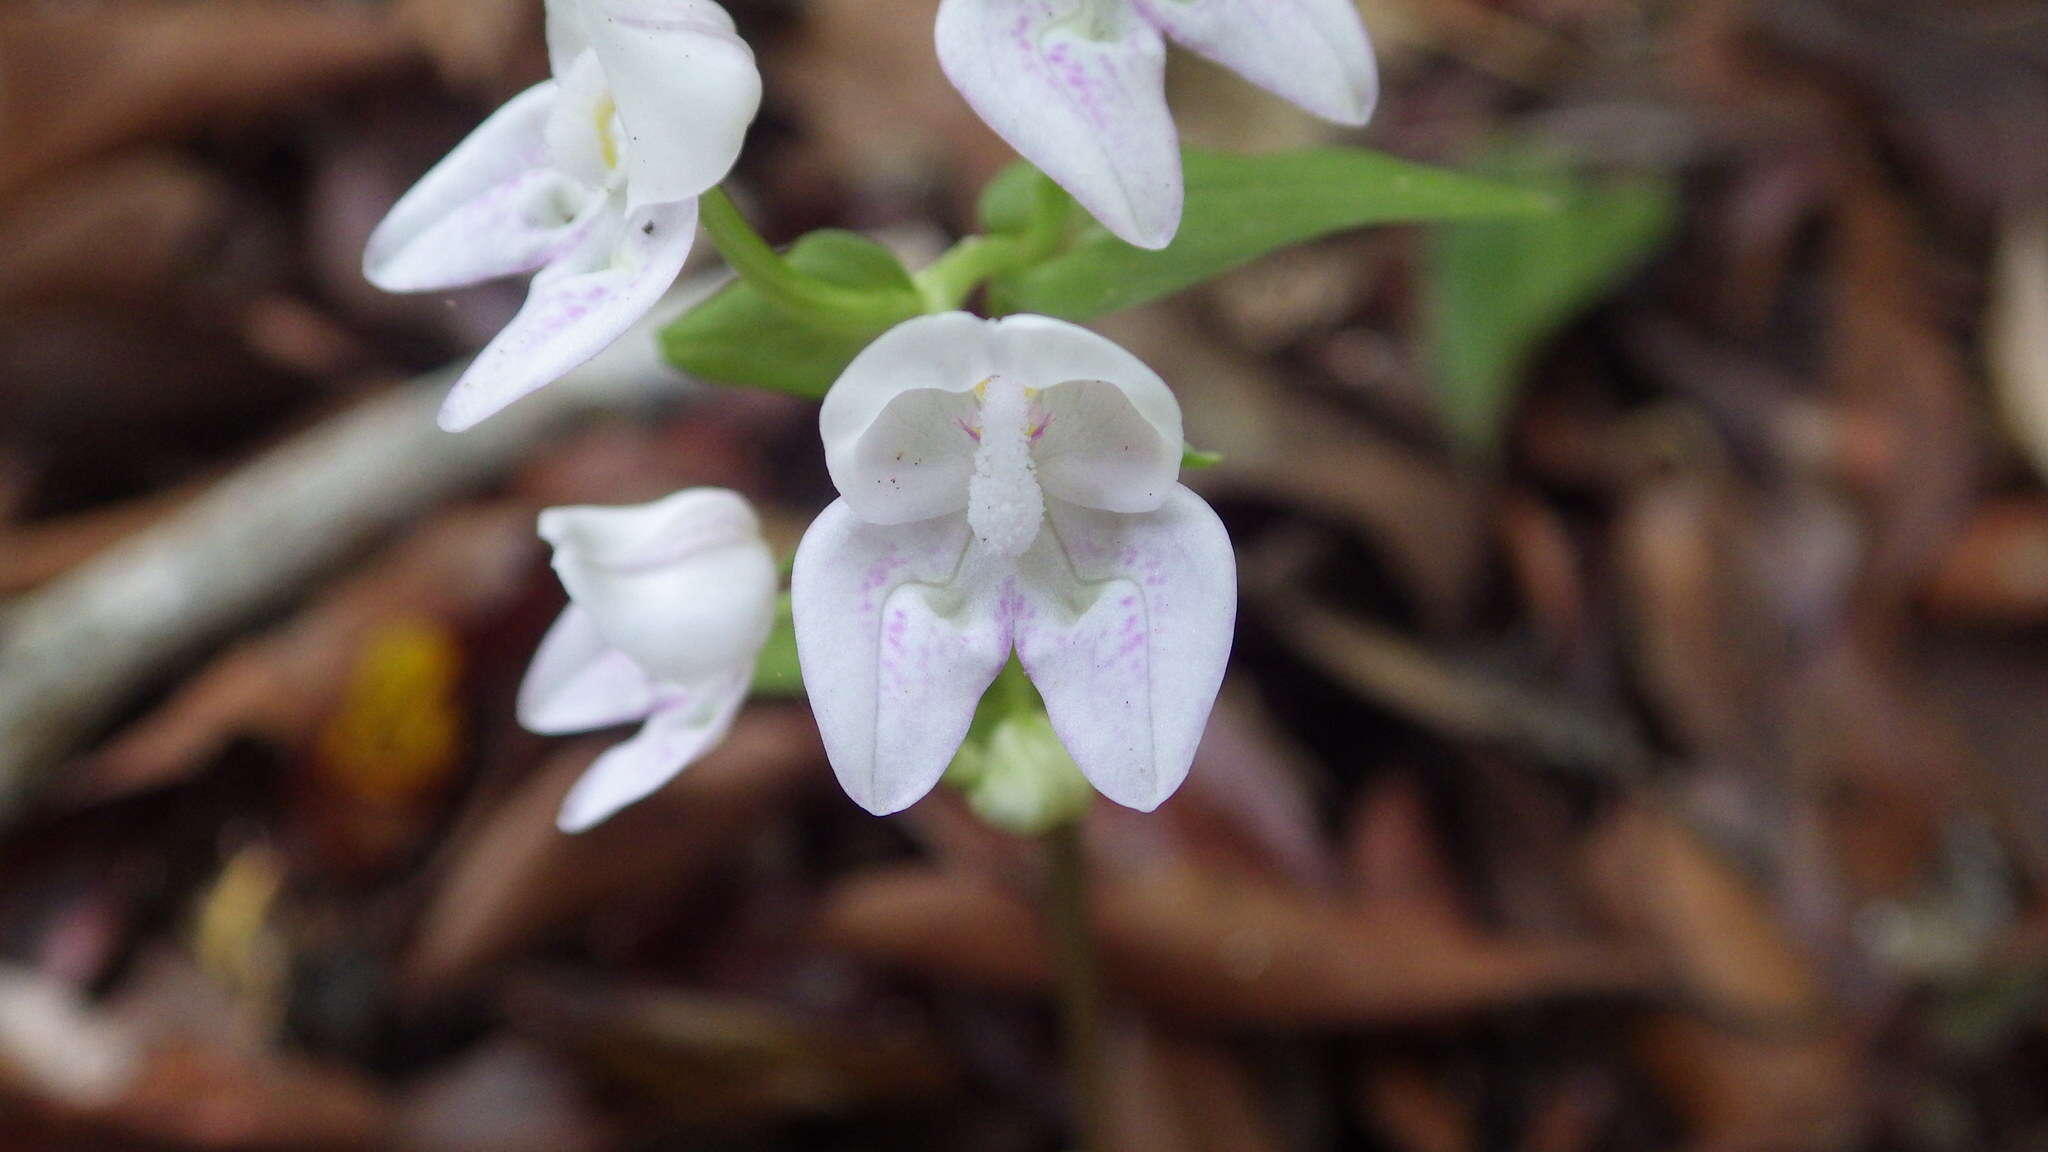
(74,652)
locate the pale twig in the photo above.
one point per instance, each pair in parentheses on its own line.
(74,652)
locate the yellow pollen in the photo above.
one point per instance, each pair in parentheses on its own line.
(607,146)
(980,390)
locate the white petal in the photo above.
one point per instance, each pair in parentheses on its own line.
(895,424)
(581,129)
(1089,112)
(686,86)
(565,34)
(671,740)
(1128,644)
(897,645)
(1311,52)
(1112,434)
(578,682)
(493,207)
(685,586)
(638,537)
(577,306)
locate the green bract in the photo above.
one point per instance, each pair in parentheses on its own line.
(743,336)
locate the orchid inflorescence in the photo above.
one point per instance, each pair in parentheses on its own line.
(1008,487)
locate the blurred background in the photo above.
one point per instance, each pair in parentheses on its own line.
(1636,737)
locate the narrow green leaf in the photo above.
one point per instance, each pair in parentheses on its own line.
(1238,209)
(740,337)
(1195,459)
(1499,289)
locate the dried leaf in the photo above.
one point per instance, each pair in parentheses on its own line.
(2016,332)
(729,1062)
(1216,947)
(513,879)
(1175,1092)
(1760,1063)
(83,79)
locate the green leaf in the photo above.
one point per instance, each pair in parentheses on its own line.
(777,675)
(1499,289)
(1195,459)
(1238,209)
(1010,203)
(740,337)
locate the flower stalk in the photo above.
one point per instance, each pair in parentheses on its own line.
(768,273)
(947,282)
(1078,983)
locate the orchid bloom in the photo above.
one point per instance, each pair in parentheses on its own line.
(669,605)
(591,178)
(1078,87)
(1009,485)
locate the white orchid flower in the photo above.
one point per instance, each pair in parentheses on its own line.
(669,605)
(591,178)
(1009,485)
(1078,87)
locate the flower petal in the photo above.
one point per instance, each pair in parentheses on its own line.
(577,306)
(685,586)
(578,682)
(1111,429)
(582,129)
(671,740)
(566,40)
(687,89)
(1086,104)
(1311,52)
(493,207)
(895,424)
(636,538)
(897,644)
(1125,630)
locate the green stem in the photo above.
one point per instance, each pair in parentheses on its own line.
(947,282)
(771,275)
(1080,992)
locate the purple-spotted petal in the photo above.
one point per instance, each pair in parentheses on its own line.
(577,306)
(687,88)
(1082,95)
(1311,52)
(672,739)
(493,207)
(897,644)
(1109,428)
(579,682)
(1126,629)
(895,424)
